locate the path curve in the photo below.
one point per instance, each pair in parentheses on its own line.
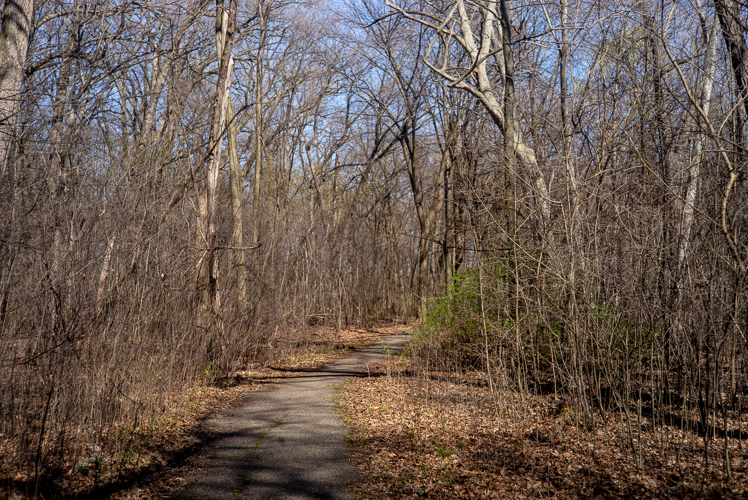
(286,442)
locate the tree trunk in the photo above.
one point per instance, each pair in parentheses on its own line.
(572,184)
(237,232)
(694,169)
(14,43)
(485,93)
(214,154)
(257,200)
(730,18)
(426,215)
(511,139)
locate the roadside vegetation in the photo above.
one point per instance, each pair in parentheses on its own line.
(498,397)
(156,457)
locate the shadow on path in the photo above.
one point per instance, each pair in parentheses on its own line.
(286,442)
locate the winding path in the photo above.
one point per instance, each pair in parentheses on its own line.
(286,442)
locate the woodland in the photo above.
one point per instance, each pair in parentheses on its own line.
(554,192)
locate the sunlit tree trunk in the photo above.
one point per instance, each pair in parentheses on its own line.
(262,14)
(235,193)
(479,48)
(14,43)
(730,13)
(574,215)
(213,298)
(694,168)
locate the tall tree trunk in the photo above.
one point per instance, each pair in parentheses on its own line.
(511,138)
(479,50)
(515,148)
(426,214)
(237,232)
(214,154)
(694,168)
(731,20)
(14,43)
(59,169)
(572,185)
(61,176)
(262,14)
(448,246)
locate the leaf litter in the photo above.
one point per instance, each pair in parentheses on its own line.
(444,435)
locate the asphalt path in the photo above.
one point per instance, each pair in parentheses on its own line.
(286,442)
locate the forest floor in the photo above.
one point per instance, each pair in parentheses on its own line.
(440,436)
(450,436)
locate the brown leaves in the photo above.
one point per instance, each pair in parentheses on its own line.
(445,436)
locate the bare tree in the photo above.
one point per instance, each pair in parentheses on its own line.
(478,49)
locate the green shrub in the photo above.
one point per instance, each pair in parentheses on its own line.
(454,322)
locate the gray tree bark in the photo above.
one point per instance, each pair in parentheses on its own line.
(694,168)
(262,14)
(237,231)
(478,50)
(14,44)
(214,155)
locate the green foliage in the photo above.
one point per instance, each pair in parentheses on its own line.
(458,309)
(442,451)
(448,476)
(528,329)
(455,321)
(209,373)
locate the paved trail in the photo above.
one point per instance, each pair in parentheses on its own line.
(286,442)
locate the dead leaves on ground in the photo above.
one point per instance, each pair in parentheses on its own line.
(447,437)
